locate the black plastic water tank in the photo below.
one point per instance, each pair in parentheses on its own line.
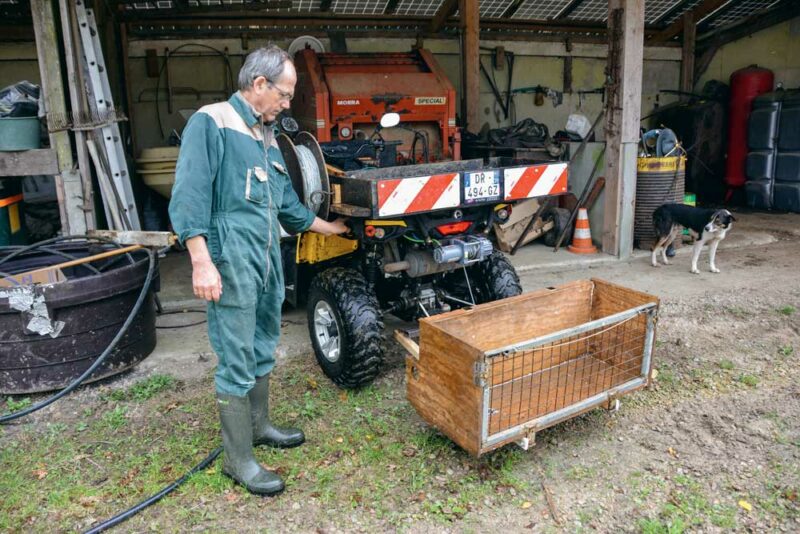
(76,320)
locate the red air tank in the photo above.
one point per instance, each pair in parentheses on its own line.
(746,84)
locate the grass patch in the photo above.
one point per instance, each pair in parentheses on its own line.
(116,418)
(688,508)
(786,350)
(748,380)
(144,389)
(726,365)
(17,405)
(787,310)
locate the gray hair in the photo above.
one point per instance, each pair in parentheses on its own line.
(267,61)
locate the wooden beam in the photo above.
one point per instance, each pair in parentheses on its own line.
(784,11)
(687,56)
(698,13)
(68,181)
(709,44)
(568,9)
(78,105)
(444,12)
(470,15)
(29,162)
(671,12)
(512,8)
(391,7)
(623,111)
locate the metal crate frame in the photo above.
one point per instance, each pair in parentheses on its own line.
(527,431)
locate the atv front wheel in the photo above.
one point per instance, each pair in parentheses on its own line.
(345,326)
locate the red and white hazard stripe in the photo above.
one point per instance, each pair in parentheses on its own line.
(425,193)
(535,181)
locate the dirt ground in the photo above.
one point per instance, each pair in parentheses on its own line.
(713,445)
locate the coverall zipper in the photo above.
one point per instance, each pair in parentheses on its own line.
(269,201)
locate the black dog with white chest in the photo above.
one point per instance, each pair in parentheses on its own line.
(709,226)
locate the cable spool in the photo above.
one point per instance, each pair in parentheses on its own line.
(311,181)
(306,168)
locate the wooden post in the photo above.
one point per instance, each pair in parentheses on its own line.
(79,107)
(68,181)
(470,16)
(687,57)
(623,112)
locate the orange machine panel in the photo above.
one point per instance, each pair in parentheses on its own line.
(339,93)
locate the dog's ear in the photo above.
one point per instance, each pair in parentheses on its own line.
(731,216)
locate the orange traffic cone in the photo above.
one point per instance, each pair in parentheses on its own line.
(582,238)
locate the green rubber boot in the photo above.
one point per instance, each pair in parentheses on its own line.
(264,433)
(237,439)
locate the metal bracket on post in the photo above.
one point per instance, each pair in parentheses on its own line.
(480,373)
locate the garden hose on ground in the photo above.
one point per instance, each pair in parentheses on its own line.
(123,516)
(127,514)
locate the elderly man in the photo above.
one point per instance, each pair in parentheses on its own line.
(231,193)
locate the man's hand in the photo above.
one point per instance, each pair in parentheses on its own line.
(206,281)
(329,228)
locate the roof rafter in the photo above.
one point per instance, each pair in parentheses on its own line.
(698,13)
(444,12)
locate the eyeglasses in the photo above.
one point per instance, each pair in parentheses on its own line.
(282,94)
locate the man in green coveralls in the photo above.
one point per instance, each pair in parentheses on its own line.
(231,196)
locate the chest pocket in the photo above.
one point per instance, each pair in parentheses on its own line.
(255,189)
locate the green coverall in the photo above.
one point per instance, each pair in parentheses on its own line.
(235,192)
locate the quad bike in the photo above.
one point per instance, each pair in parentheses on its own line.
(418,245)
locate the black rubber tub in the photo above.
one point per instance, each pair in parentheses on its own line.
(50,334)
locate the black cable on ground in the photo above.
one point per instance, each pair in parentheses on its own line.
(77,382)
(119,518)
(176,312)
(127,514)
(175,327)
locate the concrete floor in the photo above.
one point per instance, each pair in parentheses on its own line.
(185,352)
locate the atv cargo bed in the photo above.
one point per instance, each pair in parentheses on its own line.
(403,190)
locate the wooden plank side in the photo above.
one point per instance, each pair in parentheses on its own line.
(521,318)
(29,162)
(440,386)
(609,299)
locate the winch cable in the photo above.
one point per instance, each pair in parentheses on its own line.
(312,182)
(99,361)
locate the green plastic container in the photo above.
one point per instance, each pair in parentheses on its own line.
(19,133)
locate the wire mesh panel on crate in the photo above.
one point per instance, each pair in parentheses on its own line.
(502,371)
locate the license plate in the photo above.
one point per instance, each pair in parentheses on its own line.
(483,185)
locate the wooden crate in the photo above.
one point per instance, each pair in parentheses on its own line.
(500,372)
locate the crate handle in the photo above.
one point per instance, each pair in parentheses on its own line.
(409,344)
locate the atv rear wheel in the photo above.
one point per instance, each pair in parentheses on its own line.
(492,279)
(345,326)
(497,279)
